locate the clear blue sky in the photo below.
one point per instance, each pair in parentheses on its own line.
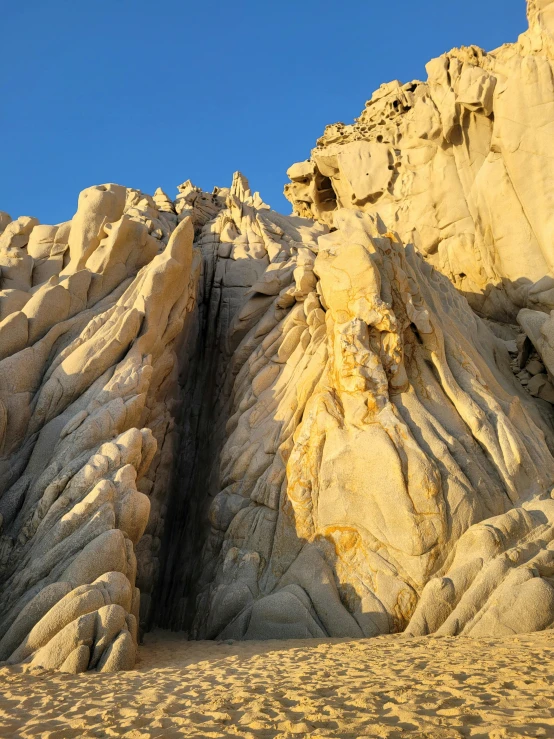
(150,94)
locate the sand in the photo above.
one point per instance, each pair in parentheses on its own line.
(392,687)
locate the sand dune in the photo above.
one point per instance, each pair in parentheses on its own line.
(390,687)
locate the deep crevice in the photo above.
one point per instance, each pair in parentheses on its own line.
(198,446)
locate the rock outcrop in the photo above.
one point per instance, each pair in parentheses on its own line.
(115,335)
(92,311)
(217,418)
(375,426)
(459,165)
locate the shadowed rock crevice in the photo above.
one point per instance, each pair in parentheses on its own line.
(201,425)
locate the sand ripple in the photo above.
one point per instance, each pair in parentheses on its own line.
(391,687)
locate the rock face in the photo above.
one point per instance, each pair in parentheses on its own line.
(459,165)
(217,418)
(375,424)
(92,311)
(115,328)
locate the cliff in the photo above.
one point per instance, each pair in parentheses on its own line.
(218,418)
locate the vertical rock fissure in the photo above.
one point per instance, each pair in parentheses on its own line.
(196,462)
(230,268)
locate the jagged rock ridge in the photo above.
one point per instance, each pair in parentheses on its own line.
(459,165)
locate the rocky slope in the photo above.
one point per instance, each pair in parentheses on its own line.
(217,418)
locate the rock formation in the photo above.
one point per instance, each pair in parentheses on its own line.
(217,418)
(459,165)
(92,311)
(373,425)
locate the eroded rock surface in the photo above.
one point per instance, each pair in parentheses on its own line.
(460,165)
(374,427)
(95,313)
(217,418)
(117,329)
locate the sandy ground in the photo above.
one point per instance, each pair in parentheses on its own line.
(391,687)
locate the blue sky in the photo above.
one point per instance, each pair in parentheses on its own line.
(150,94)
